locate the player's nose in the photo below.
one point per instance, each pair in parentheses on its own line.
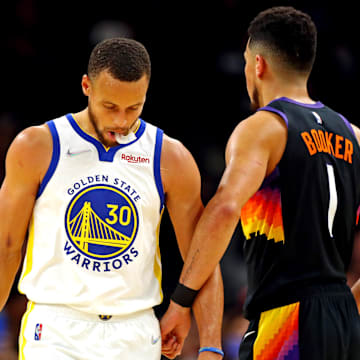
(120,122)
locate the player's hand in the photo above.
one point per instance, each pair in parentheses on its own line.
(175,326)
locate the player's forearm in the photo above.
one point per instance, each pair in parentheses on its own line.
(208,310)
(356,292)
(211,238)
(9,265)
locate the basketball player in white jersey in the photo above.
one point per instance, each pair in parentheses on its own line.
(90,188)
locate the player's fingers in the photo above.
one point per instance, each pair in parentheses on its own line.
(174,351)
(180,339)
(168,343)
(170,338)
(170,348)
(169,354)
(177,350)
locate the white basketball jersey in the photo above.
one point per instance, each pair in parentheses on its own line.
(93,237)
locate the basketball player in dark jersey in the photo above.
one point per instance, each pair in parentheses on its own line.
(293,177)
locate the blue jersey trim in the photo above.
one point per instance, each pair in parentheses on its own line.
(105,154)
(157,170)
(54,159)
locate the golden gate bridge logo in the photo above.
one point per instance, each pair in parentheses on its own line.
(101,222)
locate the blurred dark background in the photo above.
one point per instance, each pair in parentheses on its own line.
(197,94)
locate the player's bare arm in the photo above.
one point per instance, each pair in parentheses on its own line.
(356,287)
(253,151)
(182,186)
(26,163)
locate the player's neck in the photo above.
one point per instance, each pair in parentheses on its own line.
(297,92)
(82,119)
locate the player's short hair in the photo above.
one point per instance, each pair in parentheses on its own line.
(287,33)
(125,59)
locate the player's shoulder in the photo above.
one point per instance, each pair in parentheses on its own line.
(174,150)
(32,139)
(356,132)
(263,132)
(31,146)
(176,162)
(262,125)
(265,118)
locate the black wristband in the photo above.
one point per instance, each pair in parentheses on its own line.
(183,295)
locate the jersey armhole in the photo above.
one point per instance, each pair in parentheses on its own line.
(347,123)
(276,111)
(349,126)
(54,159)
(157,169)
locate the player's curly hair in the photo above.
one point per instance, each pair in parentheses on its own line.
(125,59)
(287,33)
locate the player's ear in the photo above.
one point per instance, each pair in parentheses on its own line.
(86,84)
(260,65)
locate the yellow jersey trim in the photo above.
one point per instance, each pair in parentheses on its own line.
(157,260)
(29,252)
(22,339)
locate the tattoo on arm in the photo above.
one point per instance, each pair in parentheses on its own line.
(189,269)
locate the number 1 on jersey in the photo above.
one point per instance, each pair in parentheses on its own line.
(333,199)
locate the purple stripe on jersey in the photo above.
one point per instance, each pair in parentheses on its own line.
(271,179)
(317,105)
(276,111)
(293,354)
(347,124)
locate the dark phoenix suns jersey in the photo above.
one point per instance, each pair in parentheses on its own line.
(299,226)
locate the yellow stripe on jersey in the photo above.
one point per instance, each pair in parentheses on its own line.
(137,126)
(22,340)
(29,253)
(157,260)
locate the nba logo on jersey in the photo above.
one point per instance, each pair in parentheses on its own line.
(38,330)
(317,118)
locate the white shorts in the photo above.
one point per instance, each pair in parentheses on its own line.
(61,333)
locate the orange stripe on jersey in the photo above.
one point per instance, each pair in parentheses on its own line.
(262,215)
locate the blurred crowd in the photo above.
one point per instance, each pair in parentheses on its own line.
(197,94)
